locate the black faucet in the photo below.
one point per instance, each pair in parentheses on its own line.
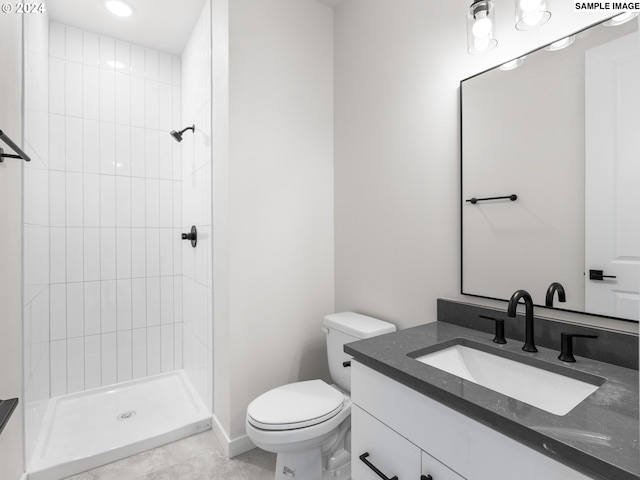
(553,288)
(529,345)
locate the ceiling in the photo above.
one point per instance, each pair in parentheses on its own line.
(163,25)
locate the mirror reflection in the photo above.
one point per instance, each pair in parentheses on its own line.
(557,129)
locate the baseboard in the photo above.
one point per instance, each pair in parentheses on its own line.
(24,476)
(233,447)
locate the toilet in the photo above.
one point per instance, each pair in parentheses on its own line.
(308,424)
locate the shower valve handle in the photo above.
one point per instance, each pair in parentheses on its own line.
(193,236)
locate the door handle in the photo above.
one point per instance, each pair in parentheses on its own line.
(599,275)
(364,456)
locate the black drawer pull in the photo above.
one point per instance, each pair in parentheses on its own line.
(346,364)
(426,477)
(364,456)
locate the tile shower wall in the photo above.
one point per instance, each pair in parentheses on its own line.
(36,226)
(115,211)
(197,180)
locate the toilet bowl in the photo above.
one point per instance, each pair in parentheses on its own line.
(308,424)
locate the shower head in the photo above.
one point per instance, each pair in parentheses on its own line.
(178,135)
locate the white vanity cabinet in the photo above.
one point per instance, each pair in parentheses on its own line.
(411,436)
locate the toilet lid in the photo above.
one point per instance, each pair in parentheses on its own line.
(296,405)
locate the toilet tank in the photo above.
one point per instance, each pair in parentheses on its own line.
(346,327)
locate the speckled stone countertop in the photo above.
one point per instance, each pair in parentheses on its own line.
(599,437)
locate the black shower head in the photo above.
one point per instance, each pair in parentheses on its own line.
(178,135)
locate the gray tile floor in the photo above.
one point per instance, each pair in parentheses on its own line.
(194,458)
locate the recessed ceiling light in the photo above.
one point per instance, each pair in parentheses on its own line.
(119,8)
(620,19)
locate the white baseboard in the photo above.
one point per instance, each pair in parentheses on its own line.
(24,476)
(233,447)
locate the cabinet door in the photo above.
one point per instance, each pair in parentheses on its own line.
(432,469)
(383,449)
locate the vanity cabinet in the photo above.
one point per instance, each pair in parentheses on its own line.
(408,434)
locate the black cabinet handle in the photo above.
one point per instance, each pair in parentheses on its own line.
(599,275)
(426,477)
(364,456)
(346,364)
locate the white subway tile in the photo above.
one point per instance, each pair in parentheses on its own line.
(123,202)
(75,310)
(108,253)
(57,86)
(123,150)
(107,201)
(75,255)
(91,49)
(90,92)
(123,253)
(107,52)
(109,361)
(73,199)
(73,90)
(58,312)
(91,146)
(166,203)
(153,301)
(177,72)
(91,255)
(151,67)
(57,199)
(166,68)
(152,164)
(176,151)
(166,251)
(138,200)
(139,302)
(166,300)
(123,57)
(137,152)
(124,293)
(139,350)
(177,298)
(152,203)
(108,306)
(91,200)
(153,251)
(58,256)
(92,362)
(107,148)
(123,99)
(151,108)
(167,352)
(92,296)
(138,253)
(57,137)
(73,50)
(107,96)
(57,40)
(177,346)
(73,139)
(124,356)
(165,107)
(153,351)
(137,60)
(58,368)
(137,101)
(165,156)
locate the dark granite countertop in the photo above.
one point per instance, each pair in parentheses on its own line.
(599,437)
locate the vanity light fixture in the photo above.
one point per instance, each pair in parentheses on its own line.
(513,64)
(480,24)
(531,13)
(119,8)
(560,44)
(620,19)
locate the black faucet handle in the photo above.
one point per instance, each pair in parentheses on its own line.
(566,345)
(499,335)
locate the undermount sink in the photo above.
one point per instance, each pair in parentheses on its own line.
(549,391)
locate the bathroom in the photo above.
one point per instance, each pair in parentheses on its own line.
(366,94)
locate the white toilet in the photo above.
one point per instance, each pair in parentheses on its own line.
(308,424)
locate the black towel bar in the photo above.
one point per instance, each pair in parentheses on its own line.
(513,197)
(16,148)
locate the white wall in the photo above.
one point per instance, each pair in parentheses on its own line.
(274,263)
(115,211)
(11,440)
(397,155)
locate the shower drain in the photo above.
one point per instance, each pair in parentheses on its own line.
(127,415)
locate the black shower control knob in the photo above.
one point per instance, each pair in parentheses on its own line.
(192,236)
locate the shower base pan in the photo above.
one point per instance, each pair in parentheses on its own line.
(89,429)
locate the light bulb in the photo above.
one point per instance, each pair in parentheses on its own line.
(482,27)
(530,5)
(481,43)
(533,18)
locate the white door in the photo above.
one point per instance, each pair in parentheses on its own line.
(612,178)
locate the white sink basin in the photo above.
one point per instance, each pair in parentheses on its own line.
(554,393)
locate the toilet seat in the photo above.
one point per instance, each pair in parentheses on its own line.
(296,405)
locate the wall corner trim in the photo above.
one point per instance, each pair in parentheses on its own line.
(232,448)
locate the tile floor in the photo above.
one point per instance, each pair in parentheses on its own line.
(199,457)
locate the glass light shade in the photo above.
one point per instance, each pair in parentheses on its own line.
(531,13)
(481,19)
(620,19)
(560,44)
(513,64)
